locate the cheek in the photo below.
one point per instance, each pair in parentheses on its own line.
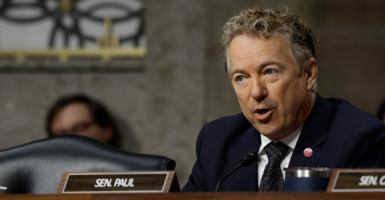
(90,132)
(291,97)
(245,103)
(242,94)
(94,132)
(283,94)
(278,93)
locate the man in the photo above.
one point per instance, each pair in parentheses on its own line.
(272,65)
(82,115)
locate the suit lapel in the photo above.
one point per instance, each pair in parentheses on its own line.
(314,133)
(245,178)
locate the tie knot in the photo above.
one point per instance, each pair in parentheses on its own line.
(276,152)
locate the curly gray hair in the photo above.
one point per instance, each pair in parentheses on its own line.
(269,22)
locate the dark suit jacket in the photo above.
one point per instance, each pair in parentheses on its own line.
(340,135)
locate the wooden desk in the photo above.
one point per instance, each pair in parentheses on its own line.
(202,196)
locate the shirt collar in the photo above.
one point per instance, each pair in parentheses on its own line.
(290,140)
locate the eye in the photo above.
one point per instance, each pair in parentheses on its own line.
(239,78)
(271,71)
(81,127)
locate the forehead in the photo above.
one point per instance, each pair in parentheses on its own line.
(70,115)
(246,49)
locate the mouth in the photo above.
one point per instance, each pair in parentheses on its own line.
(262,114)
(262,111)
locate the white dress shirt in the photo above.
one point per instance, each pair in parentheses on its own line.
(290,141)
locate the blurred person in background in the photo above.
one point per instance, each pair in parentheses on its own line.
(81,115)
(381,112)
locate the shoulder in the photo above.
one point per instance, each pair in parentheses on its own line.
(231,126)
(360,133)
(346,114)
(212,149)
(228,123)
(355,127)
(222,133)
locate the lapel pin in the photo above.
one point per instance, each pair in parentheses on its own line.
(308,152)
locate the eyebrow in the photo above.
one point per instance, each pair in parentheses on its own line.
(263,65)
(237,71)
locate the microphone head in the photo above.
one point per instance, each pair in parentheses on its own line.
(249,158)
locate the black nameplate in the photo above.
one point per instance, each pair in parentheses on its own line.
(116,182)
(359,180)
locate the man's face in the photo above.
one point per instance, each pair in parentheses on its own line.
(272,94)
(76,119)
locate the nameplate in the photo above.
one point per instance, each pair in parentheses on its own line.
(357,180)
(119,182)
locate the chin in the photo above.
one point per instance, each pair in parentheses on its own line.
(265,130)
(268,130)
(269,134)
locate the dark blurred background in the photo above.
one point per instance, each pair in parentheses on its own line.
(183,85)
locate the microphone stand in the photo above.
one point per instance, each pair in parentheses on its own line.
(248,159)
(219,182)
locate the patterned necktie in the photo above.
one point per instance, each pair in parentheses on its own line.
(272,178)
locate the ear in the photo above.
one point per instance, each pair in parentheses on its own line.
(311,73)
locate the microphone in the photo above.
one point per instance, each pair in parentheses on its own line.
(248,159)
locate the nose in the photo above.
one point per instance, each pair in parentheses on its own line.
(258,90)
